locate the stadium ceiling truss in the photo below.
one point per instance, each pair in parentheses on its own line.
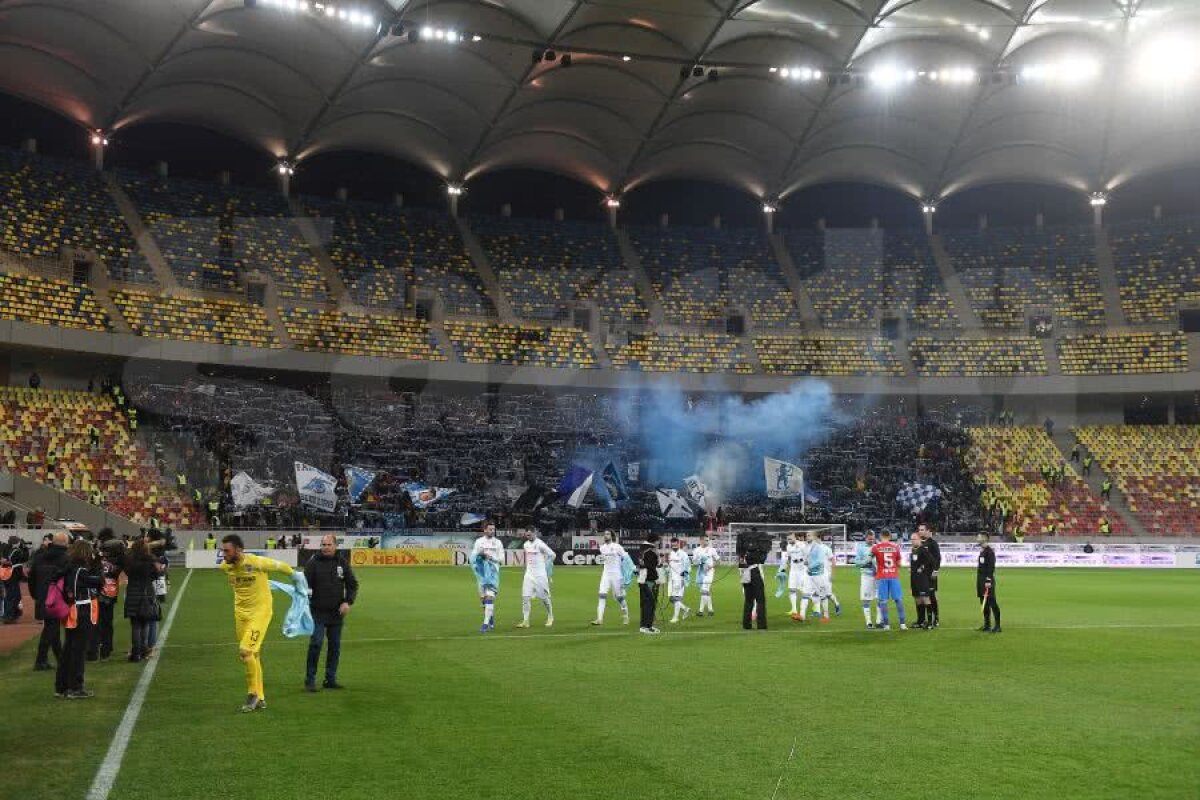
(653,88)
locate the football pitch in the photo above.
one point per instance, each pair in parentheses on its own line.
(1091,692)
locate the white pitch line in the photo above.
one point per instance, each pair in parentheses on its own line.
(676,633)
(106,775)
(786,764)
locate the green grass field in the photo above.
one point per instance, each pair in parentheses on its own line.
(1090,692)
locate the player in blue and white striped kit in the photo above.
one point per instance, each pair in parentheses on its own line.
(866,578)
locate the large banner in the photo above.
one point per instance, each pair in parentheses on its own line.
(783,479)
(317,489)
(246,491)
(403,557)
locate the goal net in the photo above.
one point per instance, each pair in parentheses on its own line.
(833,534)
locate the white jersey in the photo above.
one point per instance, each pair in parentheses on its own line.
(678,563)
(612,555)
(536,553)
(796,555)
(491,547)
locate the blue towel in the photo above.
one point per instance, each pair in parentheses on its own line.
(487,573)
(781,580)
(627,570)
(298,621)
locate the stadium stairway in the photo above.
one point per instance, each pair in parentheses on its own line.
(1114,312)
(115,317)
(338,293)
(484,267)
(1116,502)
(808,313)
(645,289)
(437,332)
(146,245)
(954,288)
(1053,366)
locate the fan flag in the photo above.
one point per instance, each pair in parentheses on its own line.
(916,496)
(575,485)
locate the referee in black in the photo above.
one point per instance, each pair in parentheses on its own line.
(648,584)
(985,585)
(934,551)
(919,567)
(755,591)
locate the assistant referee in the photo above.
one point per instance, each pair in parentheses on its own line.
(985,585)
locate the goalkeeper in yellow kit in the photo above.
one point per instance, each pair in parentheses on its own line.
(251,610)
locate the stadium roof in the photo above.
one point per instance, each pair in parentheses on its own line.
(1080,93)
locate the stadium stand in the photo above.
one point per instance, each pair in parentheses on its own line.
(1156,468)
(699,273)
(47,204)
(1157,265)
(1005,271)
(1009,462)
(382,252)
(213,321)
(520,345)
(212,235)
(827,355)
(360,334)
(547,267)
(988,357)
(854,274)
(680,352)
(42,301)
(1123,353)
(38,426)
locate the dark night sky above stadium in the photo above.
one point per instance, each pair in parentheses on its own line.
(201,153)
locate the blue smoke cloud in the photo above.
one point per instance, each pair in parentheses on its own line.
(723,438)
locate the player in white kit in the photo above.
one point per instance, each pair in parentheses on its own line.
(492,549)
(539,561)
(819,576)
(794,557)
(678,565)
(705,559)
(866,578)
(612,579)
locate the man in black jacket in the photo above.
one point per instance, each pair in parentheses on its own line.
(334,589)
(934,551)
(648,584)
(47,564)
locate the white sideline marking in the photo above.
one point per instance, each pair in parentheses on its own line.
(106,775)
(676,633)
(786,764)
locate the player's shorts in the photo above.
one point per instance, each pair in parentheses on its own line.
(675,586)
(535,586)
(797,580)
(612,583)
(819,586)
(706,583)
(919,584)
(251,630)
(867,590)
(889,589)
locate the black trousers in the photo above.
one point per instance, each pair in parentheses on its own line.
(320,633)
(756,594)
(49,640)
(69,677)
(101,645)
(648,602)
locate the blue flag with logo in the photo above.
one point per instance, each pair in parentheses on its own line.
(357,481)
(424,496)
(611,486)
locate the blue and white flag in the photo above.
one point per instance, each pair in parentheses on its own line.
(357,481)
(671,504)
(316,488)
(246,491)
(424,496)
(783,479)
(916,496)
(575,484)
(611,488)
(468,519)
(698,491)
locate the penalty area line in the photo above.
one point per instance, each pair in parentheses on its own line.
(106,775)
(787,631)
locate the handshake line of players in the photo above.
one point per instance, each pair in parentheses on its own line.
(805,573)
